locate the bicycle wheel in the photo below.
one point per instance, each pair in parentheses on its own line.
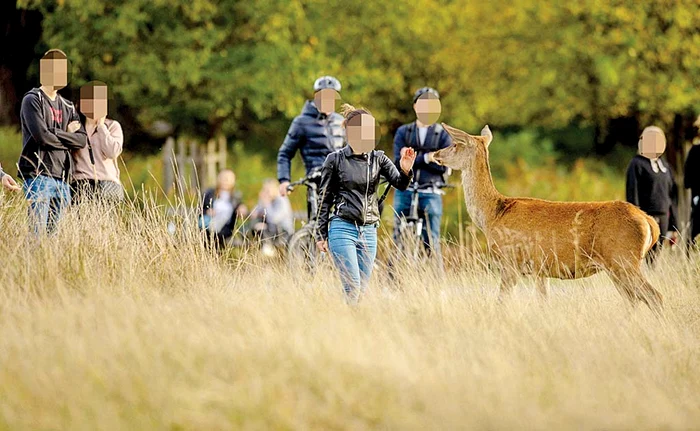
(302,251)
(409,242)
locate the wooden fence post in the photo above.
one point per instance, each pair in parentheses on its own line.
(193,159)
(188,164)
(222,152)
(181,165)
(168,174)
(210,163)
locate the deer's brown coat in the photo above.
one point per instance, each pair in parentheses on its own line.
(552,239)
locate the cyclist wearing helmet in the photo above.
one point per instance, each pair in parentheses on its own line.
(317,132)
(425,136)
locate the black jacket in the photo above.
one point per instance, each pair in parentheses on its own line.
(436,139)
(349,183)
(315,135)
(655,193)
(692,171)
(46,150)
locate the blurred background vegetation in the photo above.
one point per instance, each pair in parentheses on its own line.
(567,86)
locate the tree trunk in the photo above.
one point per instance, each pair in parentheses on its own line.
(18,40)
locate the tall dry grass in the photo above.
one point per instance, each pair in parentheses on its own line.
(112,323)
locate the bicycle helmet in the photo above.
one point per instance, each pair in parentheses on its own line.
(327,82)
(422,91)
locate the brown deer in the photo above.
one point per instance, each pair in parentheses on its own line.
(548,239)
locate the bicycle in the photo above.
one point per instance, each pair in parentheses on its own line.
(409,230)
(301,250)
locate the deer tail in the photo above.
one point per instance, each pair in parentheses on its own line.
(653,233)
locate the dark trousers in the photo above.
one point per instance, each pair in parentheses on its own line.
(694,223)
(662,220)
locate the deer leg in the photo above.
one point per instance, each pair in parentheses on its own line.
(647,294)
(636,288)
(542,284)
(623,285)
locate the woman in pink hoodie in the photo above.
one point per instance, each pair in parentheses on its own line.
(96,170)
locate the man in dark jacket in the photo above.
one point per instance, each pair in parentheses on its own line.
(650,184)
(425,137)
(692,182)
(51,129)
(317,132)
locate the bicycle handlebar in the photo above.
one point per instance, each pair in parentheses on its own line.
(415,186)
(312,176)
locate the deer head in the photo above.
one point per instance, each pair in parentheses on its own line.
(464,148)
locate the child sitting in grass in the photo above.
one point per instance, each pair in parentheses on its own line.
(220,208)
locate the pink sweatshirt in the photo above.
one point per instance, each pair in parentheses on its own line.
(106,141)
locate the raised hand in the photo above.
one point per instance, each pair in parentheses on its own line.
(408,156)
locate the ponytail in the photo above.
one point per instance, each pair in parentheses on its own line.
(349,112)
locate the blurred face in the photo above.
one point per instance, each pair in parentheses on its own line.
(652,144)
(53,73)
(226,180)
(361,133)
(325,100)
(427,110)
(93,102)
(270,191)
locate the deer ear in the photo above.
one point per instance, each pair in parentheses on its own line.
(486,133)
(458,136)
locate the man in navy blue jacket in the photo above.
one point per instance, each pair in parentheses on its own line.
(317,132)
(425,137)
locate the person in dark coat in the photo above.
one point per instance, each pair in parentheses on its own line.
(316,133)
(425,136)
(221,206)
(51,130)
(349,214)
(650,185)
(692,182)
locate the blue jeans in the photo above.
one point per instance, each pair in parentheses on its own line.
(353,248)
(48,197)
(429,209)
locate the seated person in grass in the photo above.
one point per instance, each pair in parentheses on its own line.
(220,208)
(272,218)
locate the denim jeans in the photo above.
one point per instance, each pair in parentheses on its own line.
(429,209)
(353,248)
(48,197)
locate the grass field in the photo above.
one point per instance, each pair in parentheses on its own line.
(113,324)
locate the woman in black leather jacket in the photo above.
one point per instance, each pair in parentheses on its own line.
(349,182)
